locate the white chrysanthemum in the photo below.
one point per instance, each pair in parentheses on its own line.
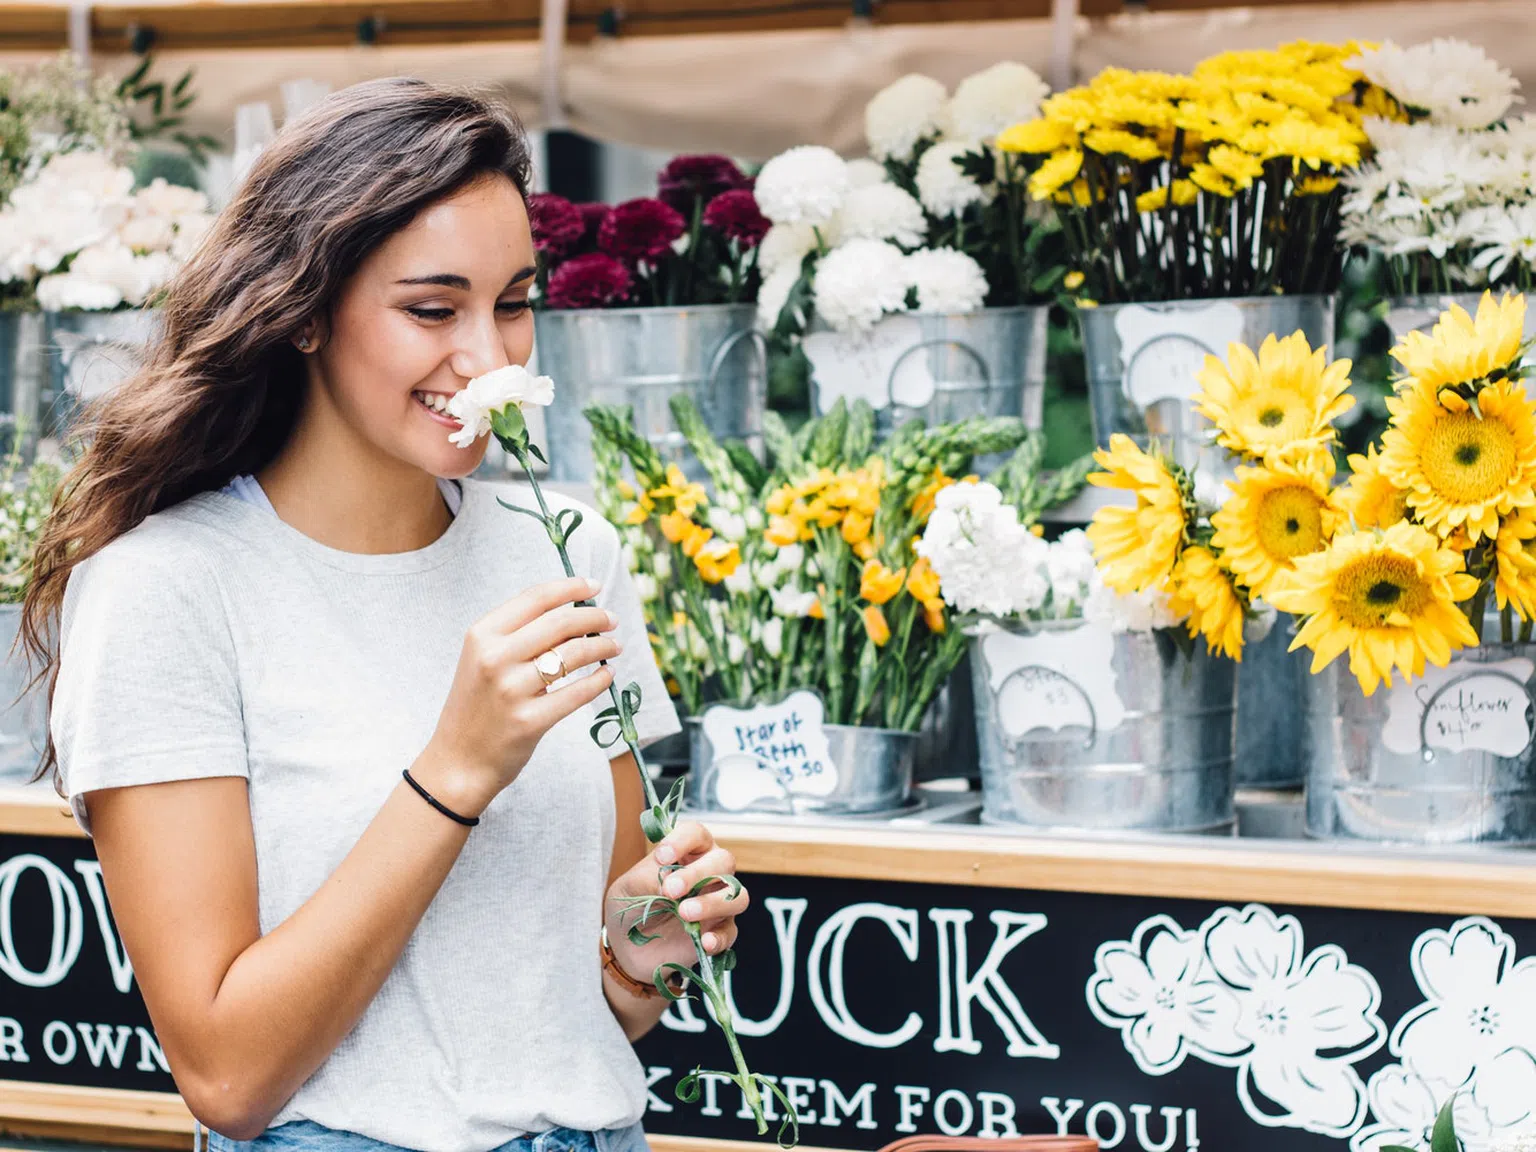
(942,187)
(473,405)
(859,282)
(804,185)
(1510,238)
(993,99)
(787,244)
(902,114)
(773,294)
(947,281)
(863,172)
(1453,81)
(883,212)
(1138,612)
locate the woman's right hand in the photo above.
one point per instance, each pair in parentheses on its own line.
(497,709)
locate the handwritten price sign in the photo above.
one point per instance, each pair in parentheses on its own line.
(772,751)
(1471,708)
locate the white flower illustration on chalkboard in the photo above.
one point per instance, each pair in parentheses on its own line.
(1243,992)
(1159,991)
(1405,1107)
(1294,1008)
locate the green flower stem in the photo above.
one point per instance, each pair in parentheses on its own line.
(513,436)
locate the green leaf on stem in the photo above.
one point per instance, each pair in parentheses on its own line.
(653,822)
(688,1087)
(660,977)
(732,886)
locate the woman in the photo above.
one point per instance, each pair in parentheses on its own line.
(274,599)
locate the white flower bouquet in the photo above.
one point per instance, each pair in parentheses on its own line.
(1448,198)
(77,236)
(935,222)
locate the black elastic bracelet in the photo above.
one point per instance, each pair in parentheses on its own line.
(467,821)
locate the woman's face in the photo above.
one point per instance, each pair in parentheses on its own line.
(441,301)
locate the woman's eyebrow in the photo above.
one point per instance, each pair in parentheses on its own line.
(521,276)
(445,279)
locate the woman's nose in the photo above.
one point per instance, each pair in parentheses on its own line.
(481,349)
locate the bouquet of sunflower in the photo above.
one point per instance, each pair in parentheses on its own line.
(798,575)
(1221,183)
(1395,566)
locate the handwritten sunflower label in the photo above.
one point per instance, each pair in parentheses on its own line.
(1463,707)
(769,752)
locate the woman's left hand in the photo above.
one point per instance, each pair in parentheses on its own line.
(693,848)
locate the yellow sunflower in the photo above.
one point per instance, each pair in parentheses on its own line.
(1515,570)
(1370,499)
(1461,349)
(1136,547)
(1388,598)
(1462,468)
(1282,401)
(1202,590)
(1274,515)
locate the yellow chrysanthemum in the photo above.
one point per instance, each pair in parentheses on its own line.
(1462,469)
(1316,185)
(1237,166)
(1274,515)
(1515,570)
(1119,142)
(1388,598)
(1184,194)
(1206,178)
(1056,173)
(1279,403)
(1369,498)
(1136,547)
(1461,349)
(1201,589)
(1037,137)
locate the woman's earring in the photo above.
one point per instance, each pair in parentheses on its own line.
(303,343)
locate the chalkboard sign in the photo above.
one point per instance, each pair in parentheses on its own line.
(887,1009)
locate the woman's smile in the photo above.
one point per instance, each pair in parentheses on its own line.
(436,406)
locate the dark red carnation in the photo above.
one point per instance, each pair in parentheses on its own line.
(735,215)
(591,281)
(557,223)
(704,177)
(593,213)
(640,231)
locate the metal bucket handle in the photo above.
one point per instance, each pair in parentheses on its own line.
(997,705)
(728,345)
(935,342)
(707,783)
(1472,673)
(1160,338)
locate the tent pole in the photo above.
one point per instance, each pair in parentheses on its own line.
(1063,42)
(80,34)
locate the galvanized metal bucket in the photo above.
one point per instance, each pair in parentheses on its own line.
(1271,694)
(952,366)
(1142,360)
(23,713)
(21,377)
(88,355)
(1142,741)
(1446,759)
(875,770)
(642,357)
(1407,314)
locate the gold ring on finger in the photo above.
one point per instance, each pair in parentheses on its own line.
(550,666)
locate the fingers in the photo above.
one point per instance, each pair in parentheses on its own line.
(543,711)
(718,936)
(576,655)
(687,840)
(531,603)
(555,627)
(681,883)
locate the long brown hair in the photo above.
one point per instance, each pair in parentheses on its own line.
(221,386)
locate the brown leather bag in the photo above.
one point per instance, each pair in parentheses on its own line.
(939,1143)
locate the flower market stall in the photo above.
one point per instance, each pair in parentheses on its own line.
(1171,788)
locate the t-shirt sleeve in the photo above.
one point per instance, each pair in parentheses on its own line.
(147,689)
(637,663)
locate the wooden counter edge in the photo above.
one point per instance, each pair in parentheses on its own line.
(104,1115)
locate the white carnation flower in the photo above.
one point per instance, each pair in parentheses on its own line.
(947,281)
(148,233)
(902,114)
(162,198)
(66,292)
(1453,81)
(883,212)
(1070,566)
(190,230)
(1138,612)
(773,294)
(944,189)
(859,282)
(863,172)
(993,99)
(787,245)
(986,561)
(473,405)
(803,185)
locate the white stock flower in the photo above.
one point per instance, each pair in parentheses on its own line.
(1070,566)
(773,294)
(803,185)
(883,212)
(863,172)
(773,637)
(473,405)
(902,114)
(1137,612)
(993,99)
(786,245)
(947,281)
(1453,81)
(943,188)
(859,282)
(986,561)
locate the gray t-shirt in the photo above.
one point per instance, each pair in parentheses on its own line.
(214,639)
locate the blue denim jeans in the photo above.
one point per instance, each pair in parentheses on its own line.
(307,1136)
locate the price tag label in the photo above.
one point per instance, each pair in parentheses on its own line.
(1054,679)
(1163,351)
(1471,708)
(859,365)
(770,751)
